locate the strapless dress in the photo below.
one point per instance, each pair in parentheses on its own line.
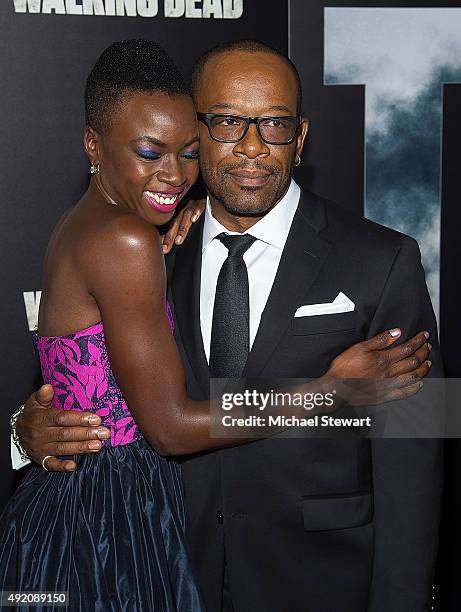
(111,534)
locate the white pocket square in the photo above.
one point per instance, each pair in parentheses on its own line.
(341,303)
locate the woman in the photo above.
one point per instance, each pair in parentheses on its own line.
(112,533)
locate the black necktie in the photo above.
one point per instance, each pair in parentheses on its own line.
(230,331)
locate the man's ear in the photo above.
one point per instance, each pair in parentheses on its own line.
(302,134)
(91,142)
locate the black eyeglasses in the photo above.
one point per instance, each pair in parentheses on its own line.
(232,128)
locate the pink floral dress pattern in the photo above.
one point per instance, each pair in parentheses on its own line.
(77,366)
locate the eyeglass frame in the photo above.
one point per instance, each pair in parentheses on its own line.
(206,119)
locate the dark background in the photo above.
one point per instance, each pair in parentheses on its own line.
(44,60)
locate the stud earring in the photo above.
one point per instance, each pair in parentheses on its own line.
(298,160)
(94,168)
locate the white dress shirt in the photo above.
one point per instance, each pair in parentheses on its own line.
(262,260)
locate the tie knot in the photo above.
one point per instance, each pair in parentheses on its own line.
(236,245)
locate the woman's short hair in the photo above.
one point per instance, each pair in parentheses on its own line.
(128,66)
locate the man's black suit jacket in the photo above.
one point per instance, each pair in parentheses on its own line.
(328,525)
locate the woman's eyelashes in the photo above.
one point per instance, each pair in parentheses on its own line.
(190,154)
(148,154)
(155,156)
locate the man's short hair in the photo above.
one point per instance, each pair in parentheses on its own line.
(126,67)
(249,46)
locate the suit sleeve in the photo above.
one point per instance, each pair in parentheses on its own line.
(407,472)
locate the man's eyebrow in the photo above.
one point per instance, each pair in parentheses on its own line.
(226,106)
(222,106)
(281,107)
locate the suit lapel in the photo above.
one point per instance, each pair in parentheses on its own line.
(185,286)
(302,259)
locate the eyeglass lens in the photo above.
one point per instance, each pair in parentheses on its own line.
(274,130)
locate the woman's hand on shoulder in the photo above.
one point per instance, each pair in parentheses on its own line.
(182,223)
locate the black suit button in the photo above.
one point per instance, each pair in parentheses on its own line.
(220,517)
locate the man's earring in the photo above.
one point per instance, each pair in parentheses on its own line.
(298,160)
(94,168)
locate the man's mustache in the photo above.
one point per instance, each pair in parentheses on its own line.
(255,166)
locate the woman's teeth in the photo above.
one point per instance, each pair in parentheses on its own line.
(162,199)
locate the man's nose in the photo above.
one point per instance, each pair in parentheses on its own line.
(251,145)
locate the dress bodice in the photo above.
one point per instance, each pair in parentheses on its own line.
(78,368)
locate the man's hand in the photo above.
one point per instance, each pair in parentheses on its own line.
(43,431)
(182,223)
(375,373)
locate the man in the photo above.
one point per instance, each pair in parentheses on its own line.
(284,525)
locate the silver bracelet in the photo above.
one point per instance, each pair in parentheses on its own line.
(14,417)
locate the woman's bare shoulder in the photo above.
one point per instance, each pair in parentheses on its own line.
(118,242)
(121,231)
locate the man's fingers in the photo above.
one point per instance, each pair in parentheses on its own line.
(407,349)
(78,434)
(73,418)
(72,448)
(410,364)
(54,464)
(65,418)
(44,395)
(383,339)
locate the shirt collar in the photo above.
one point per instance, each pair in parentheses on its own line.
(273,228)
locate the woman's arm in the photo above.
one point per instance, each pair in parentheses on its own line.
(126,276)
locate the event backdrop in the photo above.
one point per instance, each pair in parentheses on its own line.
(382,96)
